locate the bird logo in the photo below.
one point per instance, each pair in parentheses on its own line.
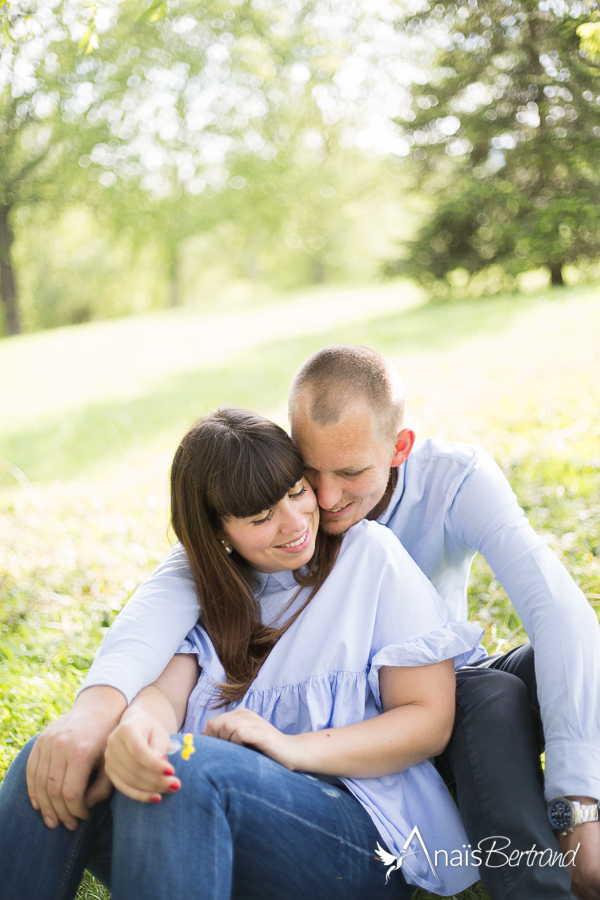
(395,862)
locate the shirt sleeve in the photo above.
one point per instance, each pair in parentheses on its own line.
(410,627)
(149,630)
(199,643)
(561,625)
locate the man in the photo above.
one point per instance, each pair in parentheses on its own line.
(445,502)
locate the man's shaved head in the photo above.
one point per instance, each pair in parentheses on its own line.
(333,379)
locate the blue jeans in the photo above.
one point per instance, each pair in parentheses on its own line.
(242,826)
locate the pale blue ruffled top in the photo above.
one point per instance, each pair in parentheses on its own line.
(375,609)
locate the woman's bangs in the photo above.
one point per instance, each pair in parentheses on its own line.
(260,476)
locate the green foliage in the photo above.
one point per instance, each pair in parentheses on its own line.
(71,268)
(148,158)
(504,129)
(74,544)
(63,582)
(589,33)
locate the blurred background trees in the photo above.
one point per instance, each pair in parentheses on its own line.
(504,131)
(160,153)
(150,154)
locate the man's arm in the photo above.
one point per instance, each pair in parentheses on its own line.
(146,634)
(136,649)
(560,623)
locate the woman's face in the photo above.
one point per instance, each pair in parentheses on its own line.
(281,538)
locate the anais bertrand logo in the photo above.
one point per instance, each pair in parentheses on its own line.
(492,852)
(395,862)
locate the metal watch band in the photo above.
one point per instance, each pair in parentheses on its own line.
(584,812)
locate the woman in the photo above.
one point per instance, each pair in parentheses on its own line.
(331,657)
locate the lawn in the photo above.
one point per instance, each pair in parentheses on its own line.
(94,413)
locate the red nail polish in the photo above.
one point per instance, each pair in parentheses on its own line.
(169,772)
(174,787)
(154,799)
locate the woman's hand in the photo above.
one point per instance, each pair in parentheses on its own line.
(136,760)
(242,726)
(417,723)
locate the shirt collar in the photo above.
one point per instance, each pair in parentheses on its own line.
(270,584)
(396,497)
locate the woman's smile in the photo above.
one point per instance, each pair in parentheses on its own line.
(298,545)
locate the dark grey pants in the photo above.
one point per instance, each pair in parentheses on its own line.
(493,759)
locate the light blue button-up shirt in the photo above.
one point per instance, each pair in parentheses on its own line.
(450,502)
(375,609)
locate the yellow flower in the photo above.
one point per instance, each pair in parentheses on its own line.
(188,746)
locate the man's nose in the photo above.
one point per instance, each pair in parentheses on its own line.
(329,494)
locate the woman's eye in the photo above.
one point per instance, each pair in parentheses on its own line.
(265,518)
(298,494)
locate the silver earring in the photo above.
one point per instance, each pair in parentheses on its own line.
(228,547)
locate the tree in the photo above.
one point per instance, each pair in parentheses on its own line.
(145,104)
(504,130)
(47,121)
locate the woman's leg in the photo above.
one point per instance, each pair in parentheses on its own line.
(242,826)
(40,863)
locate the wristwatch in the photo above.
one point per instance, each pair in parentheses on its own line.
(565,814)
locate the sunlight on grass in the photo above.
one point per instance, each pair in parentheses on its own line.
(52,373)
(517,374)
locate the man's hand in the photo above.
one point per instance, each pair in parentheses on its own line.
(67,752)
(585,873)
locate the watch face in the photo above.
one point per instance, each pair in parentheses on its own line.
(560,813)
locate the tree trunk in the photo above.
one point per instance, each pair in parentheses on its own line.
(317,270)
(174,292)
(556,274)
(251,269)
(8,288)
(174,295)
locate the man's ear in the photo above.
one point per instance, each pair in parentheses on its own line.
(404,444)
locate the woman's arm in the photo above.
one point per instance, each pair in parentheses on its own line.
(416,723)
(136,760)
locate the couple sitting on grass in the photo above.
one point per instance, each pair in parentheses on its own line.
(299,691)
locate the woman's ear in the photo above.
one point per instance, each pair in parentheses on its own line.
(225,543)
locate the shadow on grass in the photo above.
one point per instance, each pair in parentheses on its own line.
(64,447)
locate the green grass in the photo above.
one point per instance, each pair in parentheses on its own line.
(91,432)
(92,890)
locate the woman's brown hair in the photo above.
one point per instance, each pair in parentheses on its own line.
(235,464)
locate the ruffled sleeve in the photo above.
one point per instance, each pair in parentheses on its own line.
(458,640)
(410,626)
(198,642)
